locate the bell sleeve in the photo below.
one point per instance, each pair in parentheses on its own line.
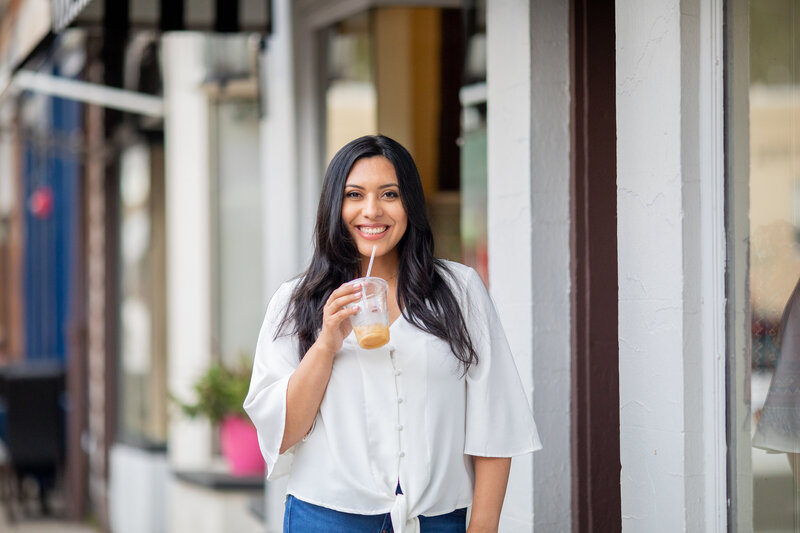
(274,362)
(499,421)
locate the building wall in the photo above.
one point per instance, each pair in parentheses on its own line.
(650,277)
(529,248)
(187,176)
(11,212)
(509,212)
(550,242)
(671,288)
(138,485)
(280,190)
(282,242)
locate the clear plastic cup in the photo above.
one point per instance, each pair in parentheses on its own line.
(371,323)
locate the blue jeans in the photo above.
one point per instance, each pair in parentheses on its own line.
(304,517)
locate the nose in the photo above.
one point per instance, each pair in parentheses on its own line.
(372,208)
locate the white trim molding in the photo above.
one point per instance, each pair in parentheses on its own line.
(712,253)
(671,235)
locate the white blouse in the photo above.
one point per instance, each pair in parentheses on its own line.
(400,413)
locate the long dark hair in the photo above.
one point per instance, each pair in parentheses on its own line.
(422,292)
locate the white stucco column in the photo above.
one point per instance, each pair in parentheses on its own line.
(279,155)
(187,187)
(529,234)
(283,242)
(509,213)
(671,255)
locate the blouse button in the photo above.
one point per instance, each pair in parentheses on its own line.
(399,400)
(400,427)
(397,372)
(401,454)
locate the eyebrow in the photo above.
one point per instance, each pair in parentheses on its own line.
(384,186)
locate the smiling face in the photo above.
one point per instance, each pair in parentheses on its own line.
(372,209)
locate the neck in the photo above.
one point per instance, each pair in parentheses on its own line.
(382,267)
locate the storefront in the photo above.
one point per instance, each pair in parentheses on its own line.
(623,177)
(115,329)
(395,68)
(707,262)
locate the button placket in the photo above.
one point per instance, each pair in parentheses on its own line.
(397,371)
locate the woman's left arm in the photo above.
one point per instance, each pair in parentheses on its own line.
(491,479)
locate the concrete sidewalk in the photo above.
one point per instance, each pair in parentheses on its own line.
(39,525)
(42,525)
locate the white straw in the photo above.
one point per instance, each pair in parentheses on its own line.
(371,259)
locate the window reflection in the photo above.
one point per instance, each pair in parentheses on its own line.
(775,262)
(418,75)
(142,386)
(350,96)
(238,214)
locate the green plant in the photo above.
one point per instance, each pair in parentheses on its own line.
(220,392)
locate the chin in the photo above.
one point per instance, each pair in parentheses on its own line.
(366,250)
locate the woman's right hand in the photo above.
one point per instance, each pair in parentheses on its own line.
(335,316)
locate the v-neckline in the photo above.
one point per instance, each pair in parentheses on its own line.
(396,320)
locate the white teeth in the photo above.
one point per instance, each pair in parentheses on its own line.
(373,231)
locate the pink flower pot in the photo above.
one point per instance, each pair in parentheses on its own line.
(239,443)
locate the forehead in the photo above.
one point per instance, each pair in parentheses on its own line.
(376,170)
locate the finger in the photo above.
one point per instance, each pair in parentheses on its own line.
(345,289)
(344,313)
(346,299)
(335,320)
(335,301)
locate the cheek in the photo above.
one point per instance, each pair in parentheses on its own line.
(404,219)
(346,213)
(400,216)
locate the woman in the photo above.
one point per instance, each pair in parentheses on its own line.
(402,437)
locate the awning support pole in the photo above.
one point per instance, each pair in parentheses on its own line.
(90,93)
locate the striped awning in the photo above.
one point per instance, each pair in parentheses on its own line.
(65,11)
(24,24)
(227,16)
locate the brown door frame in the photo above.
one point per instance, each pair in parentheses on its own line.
(596,501)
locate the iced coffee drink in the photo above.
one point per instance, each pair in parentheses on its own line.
(371,323)
(372,336)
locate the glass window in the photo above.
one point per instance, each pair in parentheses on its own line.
(418,75)
(473,142)
(766,440)
(142,386)
(237,259)
(350,95)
